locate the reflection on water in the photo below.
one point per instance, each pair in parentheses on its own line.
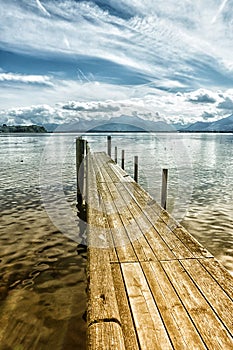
(42,291)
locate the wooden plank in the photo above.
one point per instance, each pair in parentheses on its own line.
(102,301)
(127,325)
(171,304)
(140,245)
(159,247)
(211,329)
(120,236)
(181,330)
(116,172)
(121,174)
(102,304)
(212,291)
(149,235)
(198,251)
(143,250)
(183,244)
(105,336)
(98,231)
(149,325)
(104,162)
(220,274)
(122,243)
(190,242)
(96,221)
(142,226)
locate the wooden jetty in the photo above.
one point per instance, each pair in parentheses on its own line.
(151,285)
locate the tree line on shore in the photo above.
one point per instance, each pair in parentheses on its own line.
(22,128)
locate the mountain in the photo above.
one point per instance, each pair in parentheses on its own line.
(117,127)
(115,124)
(136,124)
(198,126)
(50,127)
(222,125)
(225,124)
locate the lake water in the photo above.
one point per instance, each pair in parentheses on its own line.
(42,292)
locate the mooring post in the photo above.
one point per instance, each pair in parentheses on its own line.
(86,162)
(79,168)
(164,188)
(123,159)
(109,146)
(115,154)
(136,168)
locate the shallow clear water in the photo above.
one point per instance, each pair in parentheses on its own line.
(42,292)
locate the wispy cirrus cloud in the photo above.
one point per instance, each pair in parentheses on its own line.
(42,8)
(25,79)
(176,31)
(173,58)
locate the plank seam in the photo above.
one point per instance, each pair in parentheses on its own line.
(192,321)
(205,298)
(130,308)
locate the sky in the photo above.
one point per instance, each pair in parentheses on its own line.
(71,60)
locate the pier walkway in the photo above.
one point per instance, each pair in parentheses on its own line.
(151,284)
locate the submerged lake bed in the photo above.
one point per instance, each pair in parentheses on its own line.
(42,294)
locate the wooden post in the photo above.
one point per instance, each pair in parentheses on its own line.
(86,165)
(136,168)
(79,168)
(87,148)
(115,154)
(109,146)
(123,159)
(164,188)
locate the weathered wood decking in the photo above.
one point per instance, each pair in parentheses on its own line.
(151,284)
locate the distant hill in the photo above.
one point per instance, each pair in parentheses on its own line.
(198,126)
(222,125)
(22,128)
(136,124)
(50,127)
(116,124)
(117,127)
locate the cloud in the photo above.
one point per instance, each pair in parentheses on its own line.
(150,104)
(201,96)
(32,115)
(220,10)
(116,57)
(208,115)
(42,8)
(227,103)
(25,79)
(178,32)
(106,107)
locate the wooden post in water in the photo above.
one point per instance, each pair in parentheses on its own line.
(164,188)
(109,146)
(79,168)
(86,163)
(115,154)
(123,159)
(136,168)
